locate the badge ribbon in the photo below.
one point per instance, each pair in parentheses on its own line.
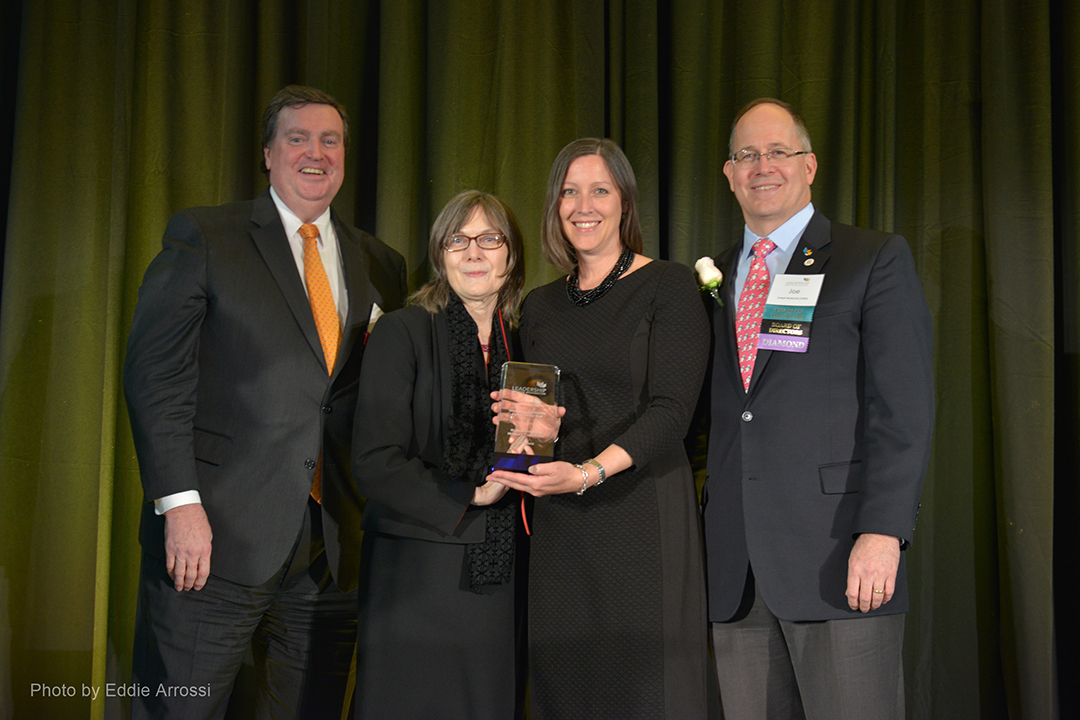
(789,312)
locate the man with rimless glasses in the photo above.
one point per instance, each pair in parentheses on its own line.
(821,406)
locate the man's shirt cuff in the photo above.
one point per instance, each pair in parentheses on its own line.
(167,503)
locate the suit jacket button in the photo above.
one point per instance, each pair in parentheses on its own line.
(327,409)
(747,416)
(309,464)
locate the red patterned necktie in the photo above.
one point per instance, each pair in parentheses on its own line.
(326,317)
(751,308)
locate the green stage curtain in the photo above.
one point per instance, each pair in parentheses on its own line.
(953,122)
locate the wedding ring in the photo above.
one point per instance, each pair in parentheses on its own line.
(879,592)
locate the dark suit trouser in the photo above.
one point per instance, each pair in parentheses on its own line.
(300,628)
(772,669)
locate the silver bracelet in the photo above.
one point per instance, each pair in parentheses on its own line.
(599,468)
(584,479)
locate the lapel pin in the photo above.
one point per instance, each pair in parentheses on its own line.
(809,262)
(807,251)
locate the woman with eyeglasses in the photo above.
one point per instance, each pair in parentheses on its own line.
(436,635)
(617,614)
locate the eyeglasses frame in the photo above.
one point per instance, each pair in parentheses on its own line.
(736,160)
(501,236)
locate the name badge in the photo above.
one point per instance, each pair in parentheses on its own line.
(789,312)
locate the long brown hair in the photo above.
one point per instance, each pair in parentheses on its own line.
(557,249)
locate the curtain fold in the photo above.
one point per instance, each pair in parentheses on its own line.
(1020,270)
(952,122)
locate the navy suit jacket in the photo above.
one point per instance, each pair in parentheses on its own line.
(826,444)
(228,390)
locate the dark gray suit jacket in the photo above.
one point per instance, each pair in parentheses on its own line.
(228,390)
(826,444)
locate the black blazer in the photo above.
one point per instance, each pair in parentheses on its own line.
(826,444)
(402,414)
(228,390)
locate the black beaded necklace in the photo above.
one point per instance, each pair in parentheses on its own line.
(581,299)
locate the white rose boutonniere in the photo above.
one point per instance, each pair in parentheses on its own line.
(709,278)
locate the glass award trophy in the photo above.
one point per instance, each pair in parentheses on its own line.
(527,416)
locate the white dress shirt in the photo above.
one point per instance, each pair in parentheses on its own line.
(786,238)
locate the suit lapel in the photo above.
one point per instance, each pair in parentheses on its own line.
(440,345)
(269,238)
(726,347)
(358,284)
(814,243)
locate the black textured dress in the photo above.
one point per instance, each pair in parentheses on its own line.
(617,610)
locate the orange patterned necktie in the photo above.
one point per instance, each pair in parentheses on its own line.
(326,317)
(751,308)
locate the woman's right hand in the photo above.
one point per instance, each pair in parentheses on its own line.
(552,478)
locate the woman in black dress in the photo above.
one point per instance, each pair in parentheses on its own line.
(437,636)
(617,613)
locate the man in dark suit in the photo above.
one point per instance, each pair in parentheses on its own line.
(241,382)
(816,459)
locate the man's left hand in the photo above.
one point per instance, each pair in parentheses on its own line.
(872,567)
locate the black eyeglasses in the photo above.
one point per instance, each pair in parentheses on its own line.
(487,241)
(776,156)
